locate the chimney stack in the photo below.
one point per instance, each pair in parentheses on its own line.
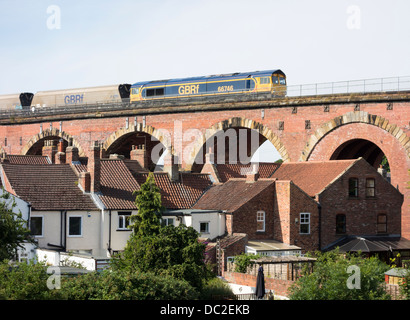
(253,174)
(49,149)
(71,154)
(171,165)
(139,153)
(94,167)
(85,181)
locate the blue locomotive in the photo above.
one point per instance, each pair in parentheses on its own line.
(273,81)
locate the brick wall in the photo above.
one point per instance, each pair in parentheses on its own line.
(361,212)
(279,287)
(244,220)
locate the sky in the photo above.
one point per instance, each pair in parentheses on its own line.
(61,44)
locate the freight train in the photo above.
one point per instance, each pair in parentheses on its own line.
(271,81)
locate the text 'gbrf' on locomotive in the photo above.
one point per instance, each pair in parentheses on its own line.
(273,81)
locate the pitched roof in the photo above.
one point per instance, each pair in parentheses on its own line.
(117,185)
(180,194)
(231,195)
(120,178)
(51,187)
(27,159)
(312,176)
(238,170)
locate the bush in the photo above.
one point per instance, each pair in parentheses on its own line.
(243,261)
(118,285)
(215,287)
(24,281)
(331,279)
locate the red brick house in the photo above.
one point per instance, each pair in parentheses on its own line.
(354,198)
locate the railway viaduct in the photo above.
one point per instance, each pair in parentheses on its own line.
(314,128)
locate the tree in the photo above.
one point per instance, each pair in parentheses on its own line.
(339,276)
(163,250)
(13,231)
(148,202)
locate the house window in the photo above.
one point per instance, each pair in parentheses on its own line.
(260,221)
(167,221)
(123,220)
(370,188)
(340,223)
(382,223)
(304,223)
(75,226)
(353,187)
(36,226)
(204,227)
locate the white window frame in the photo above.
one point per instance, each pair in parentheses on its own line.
(304,219)
(81,227)
(207,228)
(122,218)
(166,221)
(42,226)
(260,217)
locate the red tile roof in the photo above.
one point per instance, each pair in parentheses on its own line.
(231,195)
(238,170)
(120,178)
(312,176)
(181,194)
(27,159)
(117,185)
(51,187)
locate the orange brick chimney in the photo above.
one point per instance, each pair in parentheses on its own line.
(94,167)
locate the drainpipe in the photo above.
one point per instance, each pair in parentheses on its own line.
(109,232)
(319,207)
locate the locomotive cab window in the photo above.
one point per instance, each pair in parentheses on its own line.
(275,79)
(282,80)
(134,91)
(155,92)
(264,80)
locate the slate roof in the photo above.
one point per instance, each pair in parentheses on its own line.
(48,187)
(231,195)
(312,176)
(238,170)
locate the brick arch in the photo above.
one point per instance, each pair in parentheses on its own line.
(120,133)
(355,117)
(52,133)
(239,122)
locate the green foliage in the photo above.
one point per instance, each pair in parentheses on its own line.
(174,251)
(24,281)
(120,285)
(12,228)
(148,201)
(243,261)
(162,250)
(329,280)
(215,287)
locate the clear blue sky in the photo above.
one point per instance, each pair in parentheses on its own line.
(106,42)
(125,41)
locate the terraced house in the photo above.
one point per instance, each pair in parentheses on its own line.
(81,205)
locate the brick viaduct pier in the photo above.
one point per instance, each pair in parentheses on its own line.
(314,128)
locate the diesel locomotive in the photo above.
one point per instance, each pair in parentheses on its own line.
(273,81)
